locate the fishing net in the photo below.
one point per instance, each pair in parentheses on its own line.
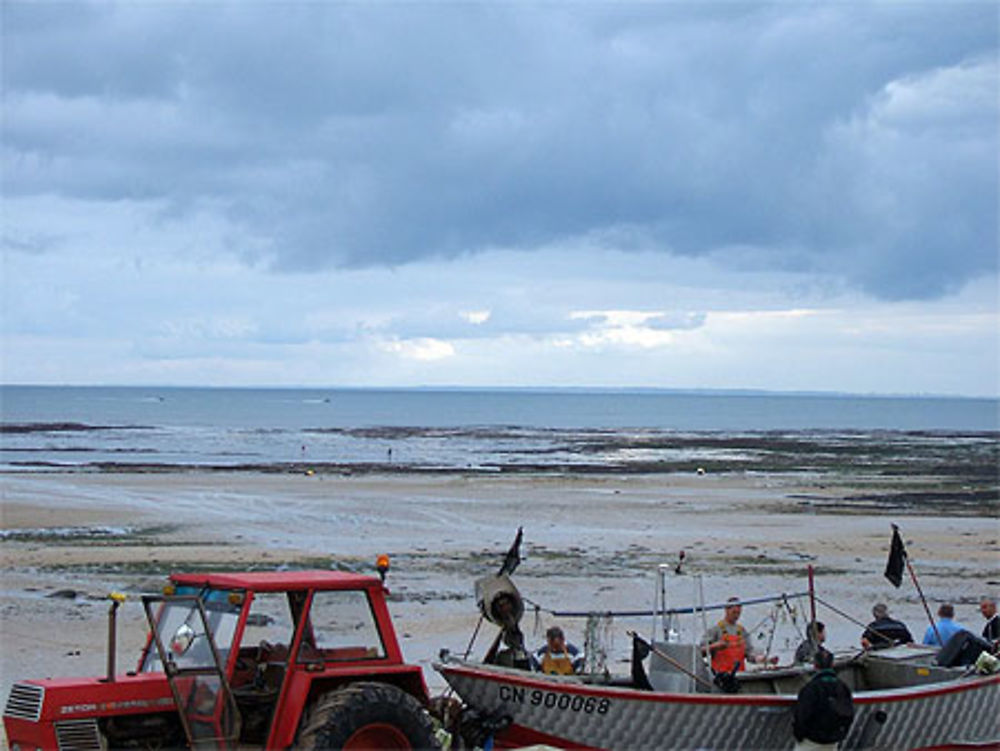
(598,641)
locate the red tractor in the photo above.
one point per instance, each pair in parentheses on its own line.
(234,660)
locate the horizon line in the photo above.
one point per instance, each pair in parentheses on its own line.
(676,390)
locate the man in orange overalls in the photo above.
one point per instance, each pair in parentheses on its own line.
(728,643)
(557,656)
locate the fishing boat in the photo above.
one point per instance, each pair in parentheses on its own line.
(902,701)
(904,697)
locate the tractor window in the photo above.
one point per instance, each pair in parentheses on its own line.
(270,620)
(263,656)
(180,626)
(343,627)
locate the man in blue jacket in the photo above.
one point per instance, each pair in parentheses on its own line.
(946,626)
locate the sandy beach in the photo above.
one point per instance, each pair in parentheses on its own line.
(591,542)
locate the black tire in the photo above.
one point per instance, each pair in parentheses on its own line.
(366,715)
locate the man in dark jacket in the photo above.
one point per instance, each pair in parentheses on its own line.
(991,631)
(824,710)
(884,631)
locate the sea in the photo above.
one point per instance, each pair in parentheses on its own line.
(56,428)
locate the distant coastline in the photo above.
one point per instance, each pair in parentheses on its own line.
(597,390)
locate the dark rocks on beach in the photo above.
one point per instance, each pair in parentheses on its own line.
(64,594)
(46,427)
(14,428)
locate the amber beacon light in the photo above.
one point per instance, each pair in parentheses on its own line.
(382,565)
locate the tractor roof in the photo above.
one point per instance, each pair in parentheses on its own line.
(275,581)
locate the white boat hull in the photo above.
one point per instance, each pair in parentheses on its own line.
(567,713)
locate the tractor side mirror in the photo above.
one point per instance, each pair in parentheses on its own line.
(182,639)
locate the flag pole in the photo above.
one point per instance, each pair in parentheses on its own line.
(913,575)
(812,596)
(923,600)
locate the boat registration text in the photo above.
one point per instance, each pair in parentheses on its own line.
(552,700)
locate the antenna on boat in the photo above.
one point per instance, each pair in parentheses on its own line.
(701,604)
(660,601)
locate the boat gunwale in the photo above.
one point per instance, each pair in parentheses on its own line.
(497,674)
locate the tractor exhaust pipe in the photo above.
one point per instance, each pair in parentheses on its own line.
(117,598)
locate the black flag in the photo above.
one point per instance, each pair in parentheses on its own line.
(897,556)
(513,556)
(640,651)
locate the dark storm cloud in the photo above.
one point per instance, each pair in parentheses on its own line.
(821,138)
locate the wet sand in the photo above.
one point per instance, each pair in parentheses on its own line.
(591,542)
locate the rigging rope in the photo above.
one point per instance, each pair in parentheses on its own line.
(841,613)
(667,611)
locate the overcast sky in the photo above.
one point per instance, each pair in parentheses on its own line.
(723,195)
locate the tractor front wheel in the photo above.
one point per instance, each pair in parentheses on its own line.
(366,716)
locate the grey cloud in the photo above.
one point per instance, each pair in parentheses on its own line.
(446,322)
(677,321)
(90,49)
(32,242)
(357,136)
(918,206)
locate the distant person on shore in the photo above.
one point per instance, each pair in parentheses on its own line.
(824,710)
(991,631)
(557,656)
(815,636)
(884,631)
(946,626)
(728,644)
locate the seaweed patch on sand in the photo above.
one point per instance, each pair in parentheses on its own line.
(89,535)
(938,502)
(167,565)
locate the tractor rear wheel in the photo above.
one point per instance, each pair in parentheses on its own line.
(366,716)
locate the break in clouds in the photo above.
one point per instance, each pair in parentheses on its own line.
(858,140)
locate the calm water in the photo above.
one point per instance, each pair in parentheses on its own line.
(74,426)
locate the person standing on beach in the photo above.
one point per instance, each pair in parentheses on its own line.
(991,631)
(824,709)
(884,631)
(727,643)
(946,626)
